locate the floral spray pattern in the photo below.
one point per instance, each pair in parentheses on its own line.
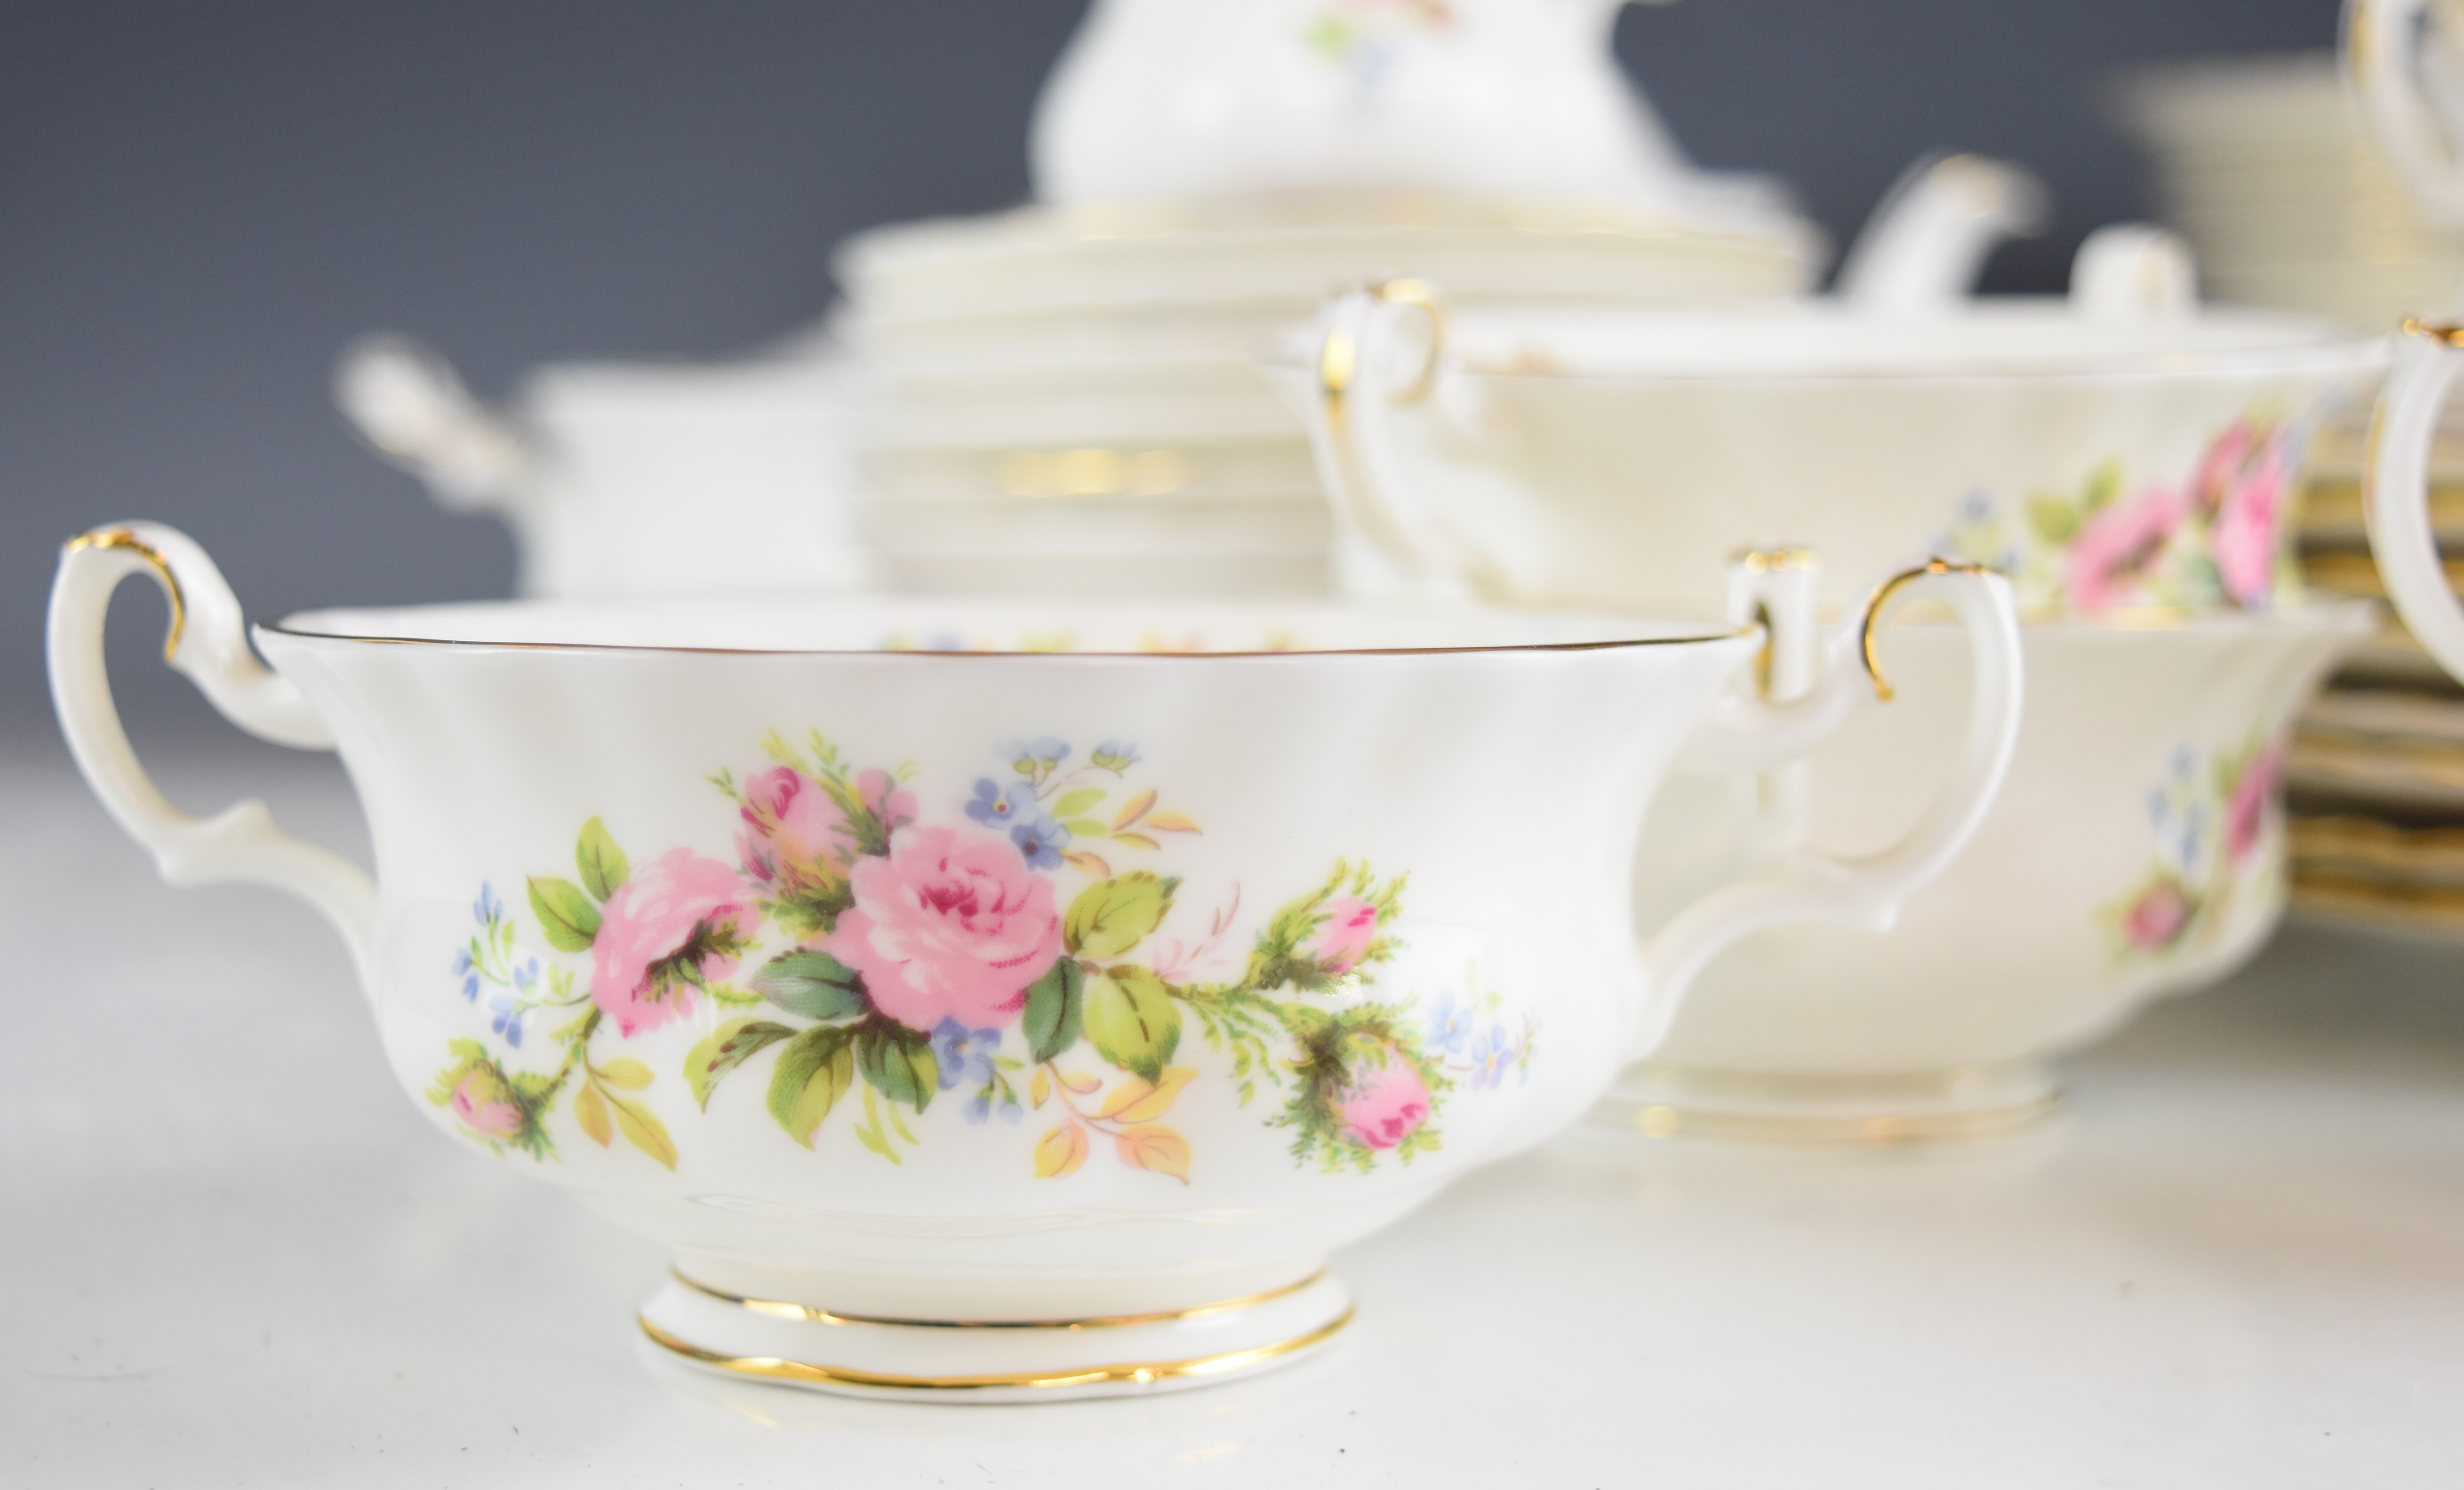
(1000,957)
(2210,819)
(2213,540)
(1365,38)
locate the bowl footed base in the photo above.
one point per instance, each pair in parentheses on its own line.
(994,1361)
(1964,1103)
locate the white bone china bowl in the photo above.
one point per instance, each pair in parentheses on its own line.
(1091,999)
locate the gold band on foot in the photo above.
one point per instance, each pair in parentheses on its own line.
(804,1313)
(1136,1373)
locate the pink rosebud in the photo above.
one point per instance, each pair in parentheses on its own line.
(2242,480)
(483,1103)
(2158,918)
(1351,925)
(879,792)
(1387,1104)
(794,837)
(948,926)
(2110,556)
(675,921)
(2245,809)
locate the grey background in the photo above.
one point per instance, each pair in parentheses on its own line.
(199,204)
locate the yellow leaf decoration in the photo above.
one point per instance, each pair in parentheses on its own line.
(1133,810)
(1061,1150)
(1140,1100)
(1154,1147)
(592,1113)
(1087,863)
(625,1073)
(1135,840)
(1172,822)
(1081,1082)
(643,1130)
(1042,1091)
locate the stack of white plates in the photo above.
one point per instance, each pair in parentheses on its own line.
(2264,164)
(1077,385)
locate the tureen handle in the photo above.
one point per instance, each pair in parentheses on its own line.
(2396,491)
(1749,732)
(412,409)
(208,642)
(2413,97)
(1386,547)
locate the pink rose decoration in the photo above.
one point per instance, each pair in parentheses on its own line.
(2241,480)
(2245,809)
(480,1101)
(1386,1105)
(678,920)
(794,835)
(2159,916)
(948,926)
(1351,925)
(2112,553)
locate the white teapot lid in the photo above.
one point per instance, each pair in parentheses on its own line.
(1279,98)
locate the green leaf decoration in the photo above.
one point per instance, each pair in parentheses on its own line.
(602,864)
(1073,803)
(1086,828)
(812,984)
(1133,1020)
(816,1069)
(2054,519)
(2103,484)
(897,1062)
(1055,1004)
(568,917)
(726,1048)
(1107,919)
(643,1129)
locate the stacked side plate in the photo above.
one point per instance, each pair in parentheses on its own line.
(2263,165)
(2376,768)
(1078,385)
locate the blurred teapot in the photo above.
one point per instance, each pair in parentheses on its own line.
(1503,98)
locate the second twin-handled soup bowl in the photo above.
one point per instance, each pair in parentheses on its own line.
(2109,456)
(1009,1023)
(2134,476)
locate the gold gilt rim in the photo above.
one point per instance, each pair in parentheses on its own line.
(808,1314)
(1139,1373)
(1691,639)
(123,538)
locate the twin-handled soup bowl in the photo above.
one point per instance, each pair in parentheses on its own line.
(1089,997)
(2130,469)
(2109,456)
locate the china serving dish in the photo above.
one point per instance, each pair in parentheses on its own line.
(2127,460)
(2137,849)
(1013,1024)
(633,479)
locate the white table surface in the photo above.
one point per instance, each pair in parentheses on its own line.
(236,1256)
